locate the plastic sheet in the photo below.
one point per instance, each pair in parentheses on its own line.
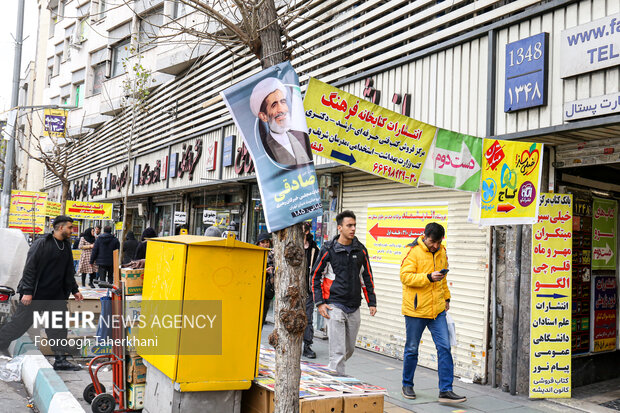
(11,369)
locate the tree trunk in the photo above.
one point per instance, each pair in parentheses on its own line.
(64,194)
(290,299)
(289,315)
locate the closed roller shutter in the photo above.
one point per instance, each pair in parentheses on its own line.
(468,255)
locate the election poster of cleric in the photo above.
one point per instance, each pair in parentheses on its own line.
(268,111)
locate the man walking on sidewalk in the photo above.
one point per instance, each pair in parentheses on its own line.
(337,288)
(47,282)
(426,298)
(103,254)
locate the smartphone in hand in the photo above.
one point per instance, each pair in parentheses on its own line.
(444,271)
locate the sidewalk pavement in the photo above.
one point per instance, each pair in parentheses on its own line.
(374,368)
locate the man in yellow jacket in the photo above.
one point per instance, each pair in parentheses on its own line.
(426,298)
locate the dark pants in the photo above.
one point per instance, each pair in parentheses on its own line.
(309,331)
(93,276)
(267,303)
(106,271)
(23,318)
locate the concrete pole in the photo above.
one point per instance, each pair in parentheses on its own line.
(10,148)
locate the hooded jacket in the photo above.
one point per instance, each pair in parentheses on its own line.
(104,246)
(38,260)
(337,275)
(422,297)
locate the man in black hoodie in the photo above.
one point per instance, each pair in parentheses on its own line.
(47,282)
(102,255)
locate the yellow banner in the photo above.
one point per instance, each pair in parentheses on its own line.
(390,228)
(89,210)
(55,123)
(550,328)
(357,133)
(27,211)
(76,254)
(510,182)
(118,226)
(53,209)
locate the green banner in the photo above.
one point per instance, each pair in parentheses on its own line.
(604,237)
(454,161)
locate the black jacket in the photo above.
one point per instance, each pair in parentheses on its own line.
(312,252)
(337,275)
(105,244)
(39,259)
(129,250)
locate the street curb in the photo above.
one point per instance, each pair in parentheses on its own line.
(49,392)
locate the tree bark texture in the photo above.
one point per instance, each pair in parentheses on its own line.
(271,50)
(64,195)
(289,316)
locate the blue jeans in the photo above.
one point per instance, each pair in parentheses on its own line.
(439,330)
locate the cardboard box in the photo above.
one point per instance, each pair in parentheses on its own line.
(133,279)
(261,400)
(91,349)
(135,396)
(136,370)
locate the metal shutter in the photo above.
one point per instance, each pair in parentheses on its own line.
(468,254)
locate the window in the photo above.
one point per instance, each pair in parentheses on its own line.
(64,100)
(50,70)
(66,50)
(149,28)
(81,31)
(53,21)
(120,52)
(98,77)
(98,9)
(181,9)
(79,95)
(57,61)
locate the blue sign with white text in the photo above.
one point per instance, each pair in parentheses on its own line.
(526,73)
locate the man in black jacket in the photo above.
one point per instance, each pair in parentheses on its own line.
(337,286)
(47,281)
(103,253)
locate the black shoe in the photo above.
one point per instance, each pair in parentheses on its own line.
(309,353)
(4,351)
(63,364)
(91,285)
(408,392)
(451,397)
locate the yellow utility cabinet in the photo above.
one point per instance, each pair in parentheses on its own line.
(202,302)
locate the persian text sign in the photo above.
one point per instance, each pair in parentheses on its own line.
(53,209)
(604,237)
(27,211)
(55,122)
(550,327)
(605,310)
(89,210)
(526,73)
(391,227)
(510,180)
(357,133)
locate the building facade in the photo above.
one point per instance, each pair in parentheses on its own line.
(443,63)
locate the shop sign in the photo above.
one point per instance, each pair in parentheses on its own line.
(211,159)
(96,186)
(550,324)
(510,181)
(89,210)
(591,46)
(148,175)
(527,63)
(605,310)
(180,217)
(117,182)
(189,159)
(55,121)
(391,227)
(174,160)
(362,135)
(591,107)
(53,209)
(604,237)
(227,150)
(278,144)
(209,217)
(453,162)
(243,161)
(27,211)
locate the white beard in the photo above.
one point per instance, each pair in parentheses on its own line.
(279,129)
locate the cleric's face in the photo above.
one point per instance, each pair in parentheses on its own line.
(277,112)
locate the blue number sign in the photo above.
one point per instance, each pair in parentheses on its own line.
(527,64)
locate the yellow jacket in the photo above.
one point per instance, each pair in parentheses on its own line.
(421,297)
